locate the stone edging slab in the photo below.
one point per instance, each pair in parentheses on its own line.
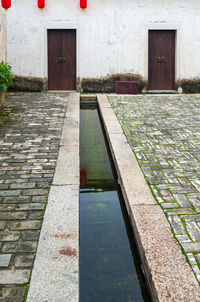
(169,275)
(55,276)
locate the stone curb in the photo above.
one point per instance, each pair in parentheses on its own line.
(169,275)
(55,276)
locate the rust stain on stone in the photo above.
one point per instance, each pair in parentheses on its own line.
(64,236)
(68,252)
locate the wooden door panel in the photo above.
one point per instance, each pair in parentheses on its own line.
(69,50)
(54,46)
(62,59)
(161,75)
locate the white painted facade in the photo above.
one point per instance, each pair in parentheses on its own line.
(112,35)
(2,35)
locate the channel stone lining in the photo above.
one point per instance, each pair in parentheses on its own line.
(30,132)
(169,275)
(55,277)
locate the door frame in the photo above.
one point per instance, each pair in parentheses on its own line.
(154,82)
(164,26)
(44,39)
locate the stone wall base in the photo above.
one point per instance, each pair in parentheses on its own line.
(189,85)
(32,84)
(102,85)
(88,85)
(107,84)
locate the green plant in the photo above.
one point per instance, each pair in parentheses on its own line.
(6,76)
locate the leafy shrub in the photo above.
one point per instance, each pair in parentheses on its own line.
(6,76)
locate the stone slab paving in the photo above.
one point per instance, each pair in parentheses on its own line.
(164,134)
(55,277)
(29,145)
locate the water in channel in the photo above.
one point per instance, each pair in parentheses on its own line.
(109,265)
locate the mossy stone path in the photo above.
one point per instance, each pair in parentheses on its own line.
(164,134)
(30,130)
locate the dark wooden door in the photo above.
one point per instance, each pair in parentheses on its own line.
(62,59)
(161,75)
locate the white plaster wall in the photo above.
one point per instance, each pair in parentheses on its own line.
(112,34)
(2,35)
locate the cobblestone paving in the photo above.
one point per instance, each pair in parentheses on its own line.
(164,133)
(29,143)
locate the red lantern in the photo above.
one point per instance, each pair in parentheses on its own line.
(6,3)
(41,4)
(83,4)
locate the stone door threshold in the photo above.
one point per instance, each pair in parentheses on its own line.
(162,91)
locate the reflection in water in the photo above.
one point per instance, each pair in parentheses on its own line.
(83,177)
(108,271)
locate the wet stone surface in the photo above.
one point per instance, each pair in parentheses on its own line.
(164,134)
(109,265)
(29,144)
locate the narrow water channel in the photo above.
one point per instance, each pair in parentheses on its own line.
(109,265)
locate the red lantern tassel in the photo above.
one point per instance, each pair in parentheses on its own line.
(41,4)
(83,4)
(6,4)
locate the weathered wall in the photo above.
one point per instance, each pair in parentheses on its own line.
(2,35)
(112,35)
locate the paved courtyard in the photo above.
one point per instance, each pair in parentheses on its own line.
(164,134)
(29,144)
